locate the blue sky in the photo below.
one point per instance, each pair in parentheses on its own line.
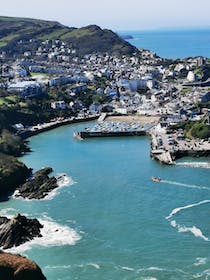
(115,14)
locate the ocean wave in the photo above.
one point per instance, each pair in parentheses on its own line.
(127,268)
(58,266)
(8,212)
(178,209)
(194,230)
(63,180)
(194,164)
(149,278)
(53,234)
(202,274)
(185,185)
(182,228)
(200,261)
(68,266)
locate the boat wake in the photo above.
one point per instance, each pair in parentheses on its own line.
(185,185)
(53,234)
(194,230)
(194,164)
(183,229)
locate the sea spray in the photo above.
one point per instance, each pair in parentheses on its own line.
(63,180)
(53,234)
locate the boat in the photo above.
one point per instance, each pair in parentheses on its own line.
(156,179)
(77,136)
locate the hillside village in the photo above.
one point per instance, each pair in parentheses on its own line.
(143,83)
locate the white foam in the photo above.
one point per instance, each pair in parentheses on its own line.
(203,274)
(194,230)
(95,265)
(177,210)
(8,212)
(127,268)
(63,180)
(185,185)
(173,224)
(155,268)
(150,278)
(58,266)
(53,234)
(194,164)
(200,261)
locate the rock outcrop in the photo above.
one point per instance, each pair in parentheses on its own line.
(18,230)
(12,174)
(16,267)
(38,186)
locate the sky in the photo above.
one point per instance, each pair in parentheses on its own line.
(114,14)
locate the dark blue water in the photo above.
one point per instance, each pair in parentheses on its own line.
(173,43)
(113,222)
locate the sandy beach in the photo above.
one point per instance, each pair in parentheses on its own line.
(134,118)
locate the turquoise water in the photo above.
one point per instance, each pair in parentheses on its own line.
(173,43)
(113,222)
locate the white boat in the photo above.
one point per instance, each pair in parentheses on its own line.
(77,136)
(156,179)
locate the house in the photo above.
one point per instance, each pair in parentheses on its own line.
(58,105)
(26,88)
(62,80)
(95,108)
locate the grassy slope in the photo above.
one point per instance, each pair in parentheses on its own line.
(85,40)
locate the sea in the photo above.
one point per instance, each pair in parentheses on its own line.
(108,220)
(172,43)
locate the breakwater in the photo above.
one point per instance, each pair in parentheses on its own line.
(86,134)
(32,131)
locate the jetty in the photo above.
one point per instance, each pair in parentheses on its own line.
(102,117)
(166,148)
(43,127)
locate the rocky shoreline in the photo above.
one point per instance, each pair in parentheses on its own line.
(38,186)
(18,230)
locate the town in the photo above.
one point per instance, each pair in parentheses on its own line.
(71,87)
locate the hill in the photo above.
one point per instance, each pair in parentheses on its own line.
(89,39)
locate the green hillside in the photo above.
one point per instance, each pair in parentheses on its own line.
(85,40)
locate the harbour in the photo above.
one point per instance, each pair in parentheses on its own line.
(114,213)
(114,129)
(165,147)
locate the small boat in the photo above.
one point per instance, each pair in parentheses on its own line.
(156,179)
(77,136)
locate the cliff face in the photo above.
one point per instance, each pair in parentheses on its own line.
(16,267)
(12,174)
